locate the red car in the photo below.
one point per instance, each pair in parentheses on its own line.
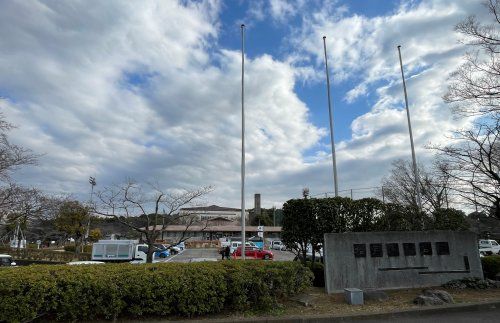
(253,253)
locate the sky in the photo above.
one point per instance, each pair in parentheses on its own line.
(151,90)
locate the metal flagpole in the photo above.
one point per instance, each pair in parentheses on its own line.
(415,169)
(243,141)
(335,184)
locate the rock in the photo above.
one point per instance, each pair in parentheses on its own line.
(441,294)
(375,295)
(303,299)
(427,300)
(493,283)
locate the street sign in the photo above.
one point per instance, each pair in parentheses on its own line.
(260,228)
(260,234)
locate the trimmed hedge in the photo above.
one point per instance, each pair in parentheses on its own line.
(108,291)
(72,248)
(491,266)
(44,254)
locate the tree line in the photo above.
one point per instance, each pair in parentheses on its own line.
(306,220)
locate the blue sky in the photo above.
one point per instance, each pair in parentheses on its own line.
(150,90)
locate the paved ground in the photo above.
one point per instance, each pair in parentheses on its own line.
(190,255)
(463,316)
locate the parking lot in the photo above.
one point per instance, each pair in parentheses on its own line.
(190,255)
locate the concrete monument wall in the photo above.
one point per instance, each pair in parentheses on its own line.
(387,260)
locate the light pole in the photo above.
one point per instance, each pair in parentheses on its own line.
(414,158)
(332,141)
(92,184)
(243,141)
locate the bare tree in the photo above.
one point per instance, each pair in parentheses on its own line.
(399,186)
(475,85)
(11,156)
(29,206)
(8,196)
(159,208)
(474,165)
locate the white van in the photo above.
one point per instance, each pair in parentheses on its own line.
(488,246)
(236,244)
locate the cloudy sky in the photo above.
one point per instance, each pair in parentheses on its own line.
(150,90)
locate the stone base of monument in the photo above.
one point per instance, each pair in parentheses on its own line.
(353,296)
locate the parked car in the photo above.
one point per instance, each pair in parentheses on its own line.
(6,261)
(159,253)
(160,246)
(252,252)
(177,248)
(278,245)
(488,246)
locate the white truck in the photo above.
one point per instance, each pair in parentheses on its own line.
(119,251)
(487,247)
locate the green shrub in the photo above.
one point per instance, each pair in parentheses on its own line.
(469,282)
(318,271)
(70,293)
(43,254)
(491,266)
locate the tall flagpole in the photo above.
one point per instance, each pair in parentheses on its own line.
(415,169)
(332,141)
(243,141)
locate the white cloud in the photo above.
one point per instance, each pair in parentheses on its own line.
(137,91)
(362,51)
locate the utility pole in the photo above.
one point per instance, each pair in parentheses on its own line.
(92,184)
(243,141)
(414,158)
(332,141)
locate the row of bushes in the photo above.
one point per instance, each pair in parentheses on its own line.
(72,248)
(43,254)
(108,291)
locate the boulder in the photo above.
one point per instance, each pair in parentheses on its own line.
(433,297)
(427,300)
(303,299)
(437,293)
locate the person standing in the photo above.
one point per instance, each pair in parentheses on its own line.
(227,252)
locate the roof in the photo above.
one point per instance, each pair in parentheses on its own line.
(210,208)
(217,228)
